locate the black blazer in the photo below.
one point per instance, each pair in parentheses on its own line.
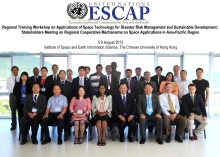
(142,104)
(41,104)
(133,85)
(87,86)
(66,90)
(155,77)
(49,87)
(135,78)
(113,87)
(197,107)
(141,87)
(17,91)
(118,106)
(50,77)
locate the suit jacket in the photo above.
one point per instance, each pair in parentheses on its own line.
(113,87)
(48,86)
(135,78)
(119,108)
(31,81)
(41,104)
(142,104)
(66,90)
(155,77)
(50,77)
(107,105)
(197,107)
(141,87)
(87,86)
(133,85)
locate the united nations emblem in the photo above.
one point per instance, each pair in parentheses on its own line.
(77,10)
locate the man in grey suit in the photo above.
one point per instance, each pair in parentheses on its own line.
(146,80)
(149,108)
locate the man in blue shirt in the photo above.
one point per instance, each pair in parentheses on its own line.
(56,108)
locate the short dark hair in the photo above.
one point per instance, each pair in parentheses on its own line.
(98,65)
(191,85)
(44,68)
(81,67)
(146,72)
(35,83)
(148,84)
(166,84)
(199,69)
(123,83)
(98,93)
(56,85)
(138,68)
(183,71)
(54,65)
(159,67)
(14,67)
(77,92)
(69,70)
(177,66)
(108,66)
(170,73)
(87,67)
(128,70)
(62,71)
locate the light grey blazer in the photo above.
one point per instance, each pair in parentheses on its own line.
(107,105)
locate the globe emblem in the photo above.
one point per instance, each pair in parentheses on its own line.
(77,10)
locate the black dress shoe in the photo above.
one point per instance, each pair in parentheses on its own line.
(178,138)
(47,140)
(60,142)
(13,128)
(142,141)
(130,139)
(23,142)
(159,141)
(34,141)
(121,140)
(168,140)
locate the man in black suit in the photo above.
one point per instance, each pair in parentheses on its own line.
(194,109)
(109,81)
(34,107)
(158,78)
(138,76)
(81,80)
(149,108)
(35,77)
(124,108)
(146,80)
(131,83)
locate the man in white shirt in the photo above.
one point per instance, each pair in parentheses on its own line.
(176,70)
(170,109)
(12,101)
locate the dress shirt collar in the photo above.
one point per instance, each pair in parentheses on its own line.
(128,78)
(108,75)
(62,81)
(81,77)
(148,95)
(192,94)
(35,94)
(123,95)
(167,94)
(147,81)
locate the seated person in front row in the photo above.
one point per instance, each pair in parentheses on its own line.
(101,112)
(148,108)
(56,108)
(124,108)
(80,108)
(194,108)
(34,107)
(170,109)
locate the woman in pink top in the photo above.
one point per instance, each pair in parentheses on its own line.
(170,78)
(80,107)
(101,112)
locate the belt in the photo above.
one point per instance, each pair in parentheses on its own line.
(171,112)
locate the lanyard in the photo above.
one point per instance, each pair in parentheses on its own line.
(23,89)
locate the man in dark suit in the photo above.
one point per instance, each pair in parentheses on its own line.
(124,109)
(109,81)
(194,109)
(158,78)
(146,80)
(34,107)
(81,80)
(138,76)
(149,108)
(35,77)
(131,83)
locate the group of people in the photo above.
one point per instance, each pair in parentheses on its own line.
(42,99)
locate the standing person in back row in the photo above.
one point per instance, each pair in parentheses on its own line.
(158,78)
(138,76)
(12,100)
(202,86)
(53,78)
(33,79)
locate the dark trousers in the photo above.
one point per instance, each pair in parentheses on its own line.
(34,123)
(159,124)
(123,124)
(20,114)
(12,104)
(180,120)
(52,117)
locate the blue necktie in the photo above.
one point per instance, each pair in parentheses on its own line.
(149,106)
(63,84)
(124,102)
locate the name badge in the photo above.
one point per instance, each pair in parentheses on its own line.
(43,89)
(108,87)
(79,111)
(57,109)
(34,110)
(23,95)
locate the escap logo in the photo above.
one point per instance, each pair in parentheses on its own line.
(77,10)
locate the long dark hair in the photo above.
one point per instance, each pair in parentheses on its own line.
(77,92)
(99,94)
(172,80)
(23,73)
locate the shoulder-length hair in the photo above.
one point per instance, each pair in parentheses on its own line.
(172,80)
(77,92)
(99,94)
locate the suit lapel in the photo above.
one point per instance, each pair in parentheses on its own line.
(145,101)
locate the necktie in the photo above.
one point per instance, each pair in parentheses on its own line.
(63,84)
(15,79)
(170,104)
(80,81)
(35,98)
(129,81)
(108,80)
(124,102)
(35,78)
(54,77)
(149,106)
(158,80)
(192,97)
